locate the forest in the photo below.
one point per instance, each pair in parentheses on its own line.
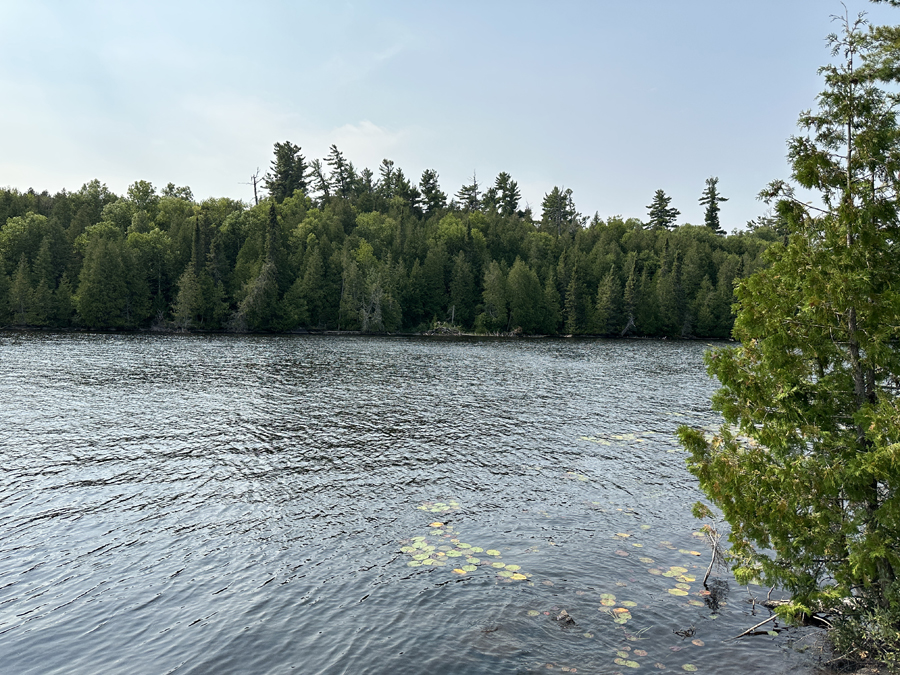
(328,247)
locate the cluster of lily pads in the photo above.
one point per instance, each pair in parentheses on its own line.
(439,507)
(442,547)
(625,657)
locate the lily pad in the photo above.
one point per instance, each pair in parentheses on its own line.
(624,554)
(628,603)
(513,568)
(469,568)
(495,552)
(698,642)
(476,549)
(622,654)
(464,545)
(684,587)
(408,549)
(622,534)
(533,612)
(504,573)
(680,570)
(686,578)
(689,667)
(421,556)
(498,565)
(647,561)
(627,663)
(518,576)
(677,591)
(655,572)
(640,652)
(696,603)
(645,527)
(454,554)
(686,552)
(473,561)
(459,571)
(414,563)
(436,524)
(428,561)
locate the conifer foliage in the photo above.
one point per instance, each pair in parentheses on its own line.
(807,467)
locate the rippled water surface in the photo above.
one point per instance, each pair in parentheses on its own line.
(263,504)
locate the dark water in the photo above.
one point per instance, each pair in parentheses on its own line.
(254,505)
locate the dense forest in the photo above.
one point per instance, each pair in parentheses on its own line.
(330,247)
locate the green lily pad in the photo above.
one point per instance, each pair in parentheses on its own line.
(533,612)
(504,573)
(421,556)
(627,663)
(428,561)
(689,667)
(655,572)
(469,568)
(677,591)
(628,603)
(495,552)
(513,568)
(684,587)
(476,549)
(473,561)
(414,563)
(407,549)
(647,561)
(454,554)
(607,599)
(622,655)
(498,565)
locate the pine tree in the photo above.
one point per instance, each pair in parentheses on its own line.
(662,216)
(711,200)
(288,172)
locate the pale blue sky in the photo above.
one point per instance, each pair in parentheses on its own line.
(612,99)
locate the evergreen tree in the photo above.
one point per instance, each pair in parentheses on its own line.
(494,318)
(805,467)
(432,197)
(469,196)
(662,216)
(288,172)
(711,200)
(524,290)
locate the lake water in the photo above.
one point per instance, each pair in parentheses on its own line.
(234,504)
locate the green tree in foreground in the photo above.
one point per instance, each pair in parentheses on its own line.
(808,463)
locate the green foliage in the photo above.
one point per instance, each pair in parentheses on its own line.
(711,200)
(806,467)
(292,262)
(661,215)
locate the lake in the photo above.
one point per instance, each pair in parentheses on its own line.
(342,504)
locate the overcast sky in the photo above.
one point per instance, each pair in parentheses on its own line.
(612,99)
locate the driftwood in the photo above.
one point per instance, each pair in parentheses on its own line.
(750,630)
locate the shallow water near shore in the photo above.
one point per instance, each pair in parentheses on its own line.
(322,504)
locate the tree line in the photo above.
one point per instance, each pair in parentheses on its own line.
(331,247)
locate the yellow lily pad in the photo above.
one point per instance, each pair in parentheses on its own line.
(518,576)
(459,571)
(677,591)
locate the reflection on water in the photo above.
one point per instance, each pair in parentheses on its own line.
(255,504)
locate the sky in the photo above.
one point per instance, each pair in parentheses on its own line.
(612,99)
